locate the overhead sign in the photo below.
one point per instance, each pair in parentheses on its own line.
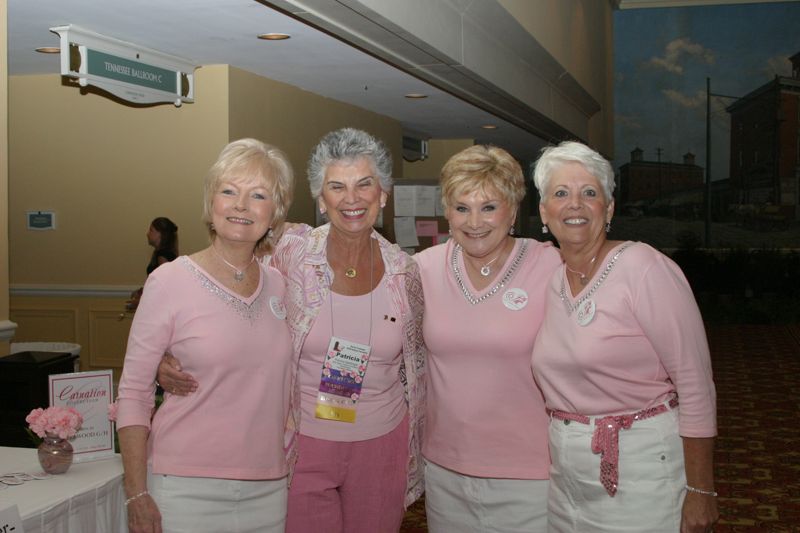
(133,73)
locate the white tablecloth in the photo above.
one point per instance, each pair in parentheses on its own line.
(88,498)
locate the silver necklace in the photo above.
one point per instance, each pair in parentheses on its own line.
(238,275)
(584,277)
(499,285)
(585,298)
(485,270)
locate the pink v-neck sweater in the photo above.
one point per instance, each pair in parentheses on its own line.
(238,349)
(645,342)
(485,415)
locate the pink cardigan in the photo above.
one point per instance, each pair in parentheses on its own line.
(301,257)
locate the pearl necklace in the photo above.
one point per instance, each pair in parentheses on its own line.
(238,275)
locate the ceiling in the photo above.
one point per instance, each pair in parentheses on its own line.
(635,4)
(211,32)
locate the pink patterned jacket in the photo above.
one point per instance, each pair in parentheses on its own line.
(301,257)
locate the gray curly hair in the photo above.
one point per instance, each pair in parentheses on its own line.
(348,145)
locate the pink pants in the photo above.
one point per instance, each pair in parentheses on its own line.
(350,487)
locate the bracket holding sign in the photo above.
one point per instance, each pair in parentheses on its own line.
(133,73)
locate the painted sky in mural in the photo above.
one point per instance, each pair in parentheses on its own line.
(662,60)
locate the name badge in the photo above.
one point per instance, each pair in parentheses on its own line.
(343,374)
(515,299)
(586,312)
(277,307)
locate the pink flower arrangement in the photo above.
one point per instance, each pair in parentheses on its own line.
(61,421)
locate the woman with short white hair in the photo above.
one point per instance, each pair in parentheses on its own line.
(623,362)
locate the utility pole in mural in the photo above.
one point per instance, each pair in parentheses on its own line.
(698,167)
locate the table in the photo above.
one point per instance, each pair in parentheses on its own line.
(88,498)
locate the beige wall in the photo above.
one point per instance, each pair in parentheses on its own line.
(110,168)
(106,169)
(439,151)
(3,171)
(579,34)
(295,120)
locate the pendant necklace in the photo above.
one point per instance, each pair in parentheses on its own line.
(584,278)
(485,270)
(585,306)
(238,275)
(351,272)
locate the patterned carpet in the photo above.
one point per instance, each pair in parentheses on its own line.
(757,373)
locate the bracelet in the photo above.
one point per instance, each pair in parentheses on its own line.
(136,497)
(701,491)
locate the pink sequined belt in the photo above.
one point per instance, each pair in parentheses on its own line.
(605,439)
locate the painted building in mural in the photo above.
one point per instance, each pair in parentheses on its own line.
(654,184)
(765,147)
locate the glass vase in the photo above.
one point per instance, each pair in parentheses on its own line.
(55,454)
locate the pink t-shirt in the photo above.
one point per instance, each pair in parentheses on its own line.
(381,406)
(238,349)
(485,415)
(645,342)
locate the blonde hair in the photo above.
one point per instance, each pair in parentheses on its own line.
(482,168)
(253,159)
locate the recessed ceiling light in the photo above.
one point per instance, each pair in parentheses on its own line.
(489,127)
(48,50)
(274,36)
(416,95)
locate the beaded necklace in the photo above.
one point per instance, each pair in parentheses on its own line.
(512,269)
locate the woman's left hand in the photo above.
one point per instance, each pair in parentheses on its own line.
(173,379)
(700,513)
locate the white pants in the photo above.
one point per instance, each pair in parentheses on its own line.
(199,504)
(456,503)
(651,481)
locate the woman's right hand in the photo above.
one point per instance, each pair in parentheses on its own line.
(172,378)
(144,516)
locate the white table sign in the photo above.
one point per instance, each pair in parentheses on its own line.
(10,522)
(89,393)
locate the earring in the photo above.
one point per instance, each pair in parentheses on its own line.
(545,229)
(608,227)
(212,227)
(511,231)
(450,232)
(269,233)
(322,210)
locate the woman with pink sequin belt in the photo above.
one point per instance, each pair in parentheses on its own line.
(623,363)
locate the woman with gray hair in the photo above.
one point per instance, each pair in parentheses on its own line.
(623,363)
(354,305)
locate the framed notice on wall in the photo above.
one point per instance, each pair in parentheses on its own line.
(89,393)
(41,220)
